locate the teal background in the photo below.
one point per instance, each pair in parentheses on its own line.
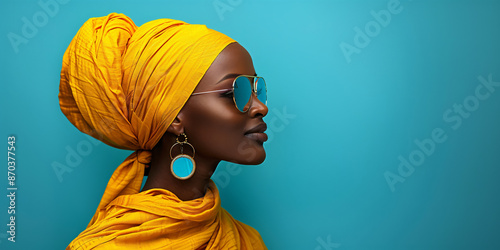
(336,127)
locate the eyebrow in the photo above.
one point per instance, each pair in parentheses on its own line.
(229,76)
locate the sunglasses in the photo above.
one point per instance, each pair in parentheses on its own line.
(243,87)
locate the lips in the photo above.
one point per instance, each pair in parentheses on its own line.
(257,133)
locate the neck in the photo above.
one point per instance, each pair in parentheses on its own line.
(160,176)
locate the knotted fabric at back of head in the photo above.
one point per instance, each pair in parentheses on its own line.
(124,85)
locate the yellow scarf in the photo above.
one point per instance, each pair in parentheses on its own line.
(124,85)
(157,219)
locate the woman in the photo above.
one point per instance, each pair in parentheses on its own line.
(183,97)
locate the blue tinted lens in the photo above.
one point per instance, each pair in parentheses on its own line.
(261,90)
(242,92)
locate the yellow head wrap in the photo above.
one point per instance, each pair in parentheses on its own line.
(124,85)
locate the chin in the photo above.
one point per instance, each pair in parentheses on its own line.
(250,154)
(256,158)
(250,161)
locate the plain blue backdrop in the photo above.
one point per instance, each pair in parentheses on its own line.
(384,122)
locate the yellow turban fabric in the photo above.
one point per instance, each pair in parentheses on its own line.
(124,85)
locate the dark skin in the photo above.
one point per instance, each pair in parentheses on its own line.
(214,126)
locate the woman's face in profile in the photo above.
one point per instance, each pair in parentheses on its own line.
(213,124)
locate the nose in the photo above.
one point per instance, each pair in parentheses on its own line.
(257,107)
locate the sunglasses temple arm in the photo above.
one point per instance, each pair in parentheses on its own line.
(212,91)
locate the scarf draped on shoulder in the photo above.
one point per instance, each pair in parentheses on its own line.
(124,85)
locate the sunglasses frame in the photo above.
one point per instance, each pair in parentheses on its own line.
(253,87)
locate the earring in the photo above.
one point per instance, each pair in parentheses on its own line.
(182,166)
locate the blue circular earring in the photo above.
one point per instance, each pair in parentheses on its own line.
(182,166)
